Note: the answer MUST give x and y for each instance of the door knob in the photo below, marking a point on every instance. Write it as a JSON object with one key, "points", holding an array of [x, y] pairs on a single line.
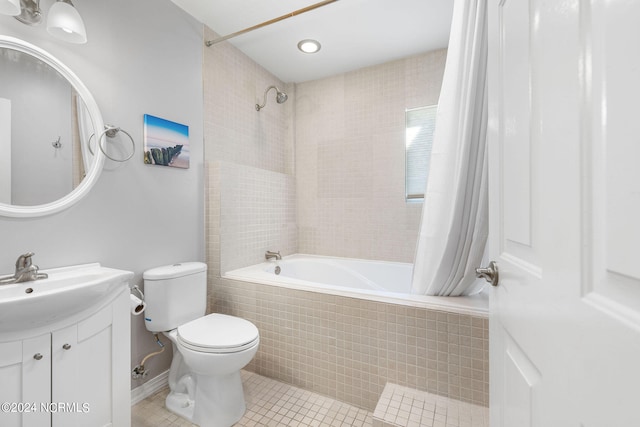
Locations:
{"points": [[490, 273]]}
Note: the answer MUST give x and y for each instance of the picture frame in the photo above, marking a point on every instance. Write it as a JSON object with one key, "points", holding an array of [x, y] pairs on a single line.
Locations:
{"points": [[166, 143]]}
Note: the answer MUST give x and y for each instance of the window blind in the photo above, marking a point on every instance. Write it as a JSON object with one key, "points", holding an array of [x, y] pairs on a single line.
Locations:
{"points": [[420, 126]]}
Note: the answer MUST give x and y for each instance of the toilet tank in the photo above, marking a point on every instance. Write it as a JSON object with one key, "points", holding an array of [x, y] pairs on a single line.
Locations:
{"points": [[174, 294]]}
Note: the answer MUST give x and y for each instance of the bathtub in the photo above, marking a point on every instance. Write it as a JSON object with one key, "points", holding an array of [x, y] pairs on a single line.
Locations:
{"points": [[382, 281]]}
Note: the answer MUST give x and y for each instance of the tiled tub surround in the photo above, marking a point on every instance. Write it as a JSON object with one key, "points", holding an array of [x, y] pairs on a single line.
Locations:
{"points": [[293, 169], [339, 142], [348, 348], [350, 158], [258, 213]]}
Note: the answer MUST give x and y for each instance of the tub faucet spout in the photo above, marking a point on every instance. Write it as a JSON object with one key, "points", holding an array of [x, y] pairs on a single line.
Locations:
{"points": [[271, 255]]}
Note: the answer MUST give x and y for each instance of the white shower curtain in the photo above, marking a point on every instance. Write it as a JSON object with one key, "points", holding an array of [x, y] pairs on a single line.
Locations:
{"points": [[454, 227], [85, 129], [5, 149]]}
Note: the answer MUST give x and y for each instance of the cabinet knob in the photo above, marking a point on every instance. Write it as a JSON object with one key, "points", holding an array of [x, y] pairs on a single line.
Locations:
{"points": [[37, 356], [66, 346]]}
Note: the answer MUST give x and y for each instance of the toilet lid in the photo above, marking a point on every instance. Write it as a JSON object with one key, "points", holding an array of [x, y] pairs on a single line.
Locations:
{"points": [[218, 333]]}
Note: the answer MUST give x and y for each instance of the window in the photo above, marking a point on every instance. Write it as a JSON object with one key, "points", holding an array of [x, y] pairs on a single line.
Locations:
{"points": [[420, 126]]}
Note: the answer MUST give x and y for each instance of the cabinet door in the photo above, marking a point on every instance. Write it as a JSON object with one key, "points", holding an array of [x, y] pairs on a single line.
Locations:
{"points": [[82, 372], [25, 375], [91, 369]]}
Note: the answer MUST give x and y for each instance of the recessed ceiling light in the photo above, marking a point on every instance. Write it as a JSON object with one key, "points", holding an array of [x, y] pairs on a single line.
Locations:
{"points": [[309, 46]]}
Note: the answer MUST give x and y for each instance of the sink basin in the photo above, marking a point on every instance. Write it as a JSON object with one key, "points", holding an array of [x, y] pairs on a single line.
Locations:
{"points": [[67, 291]]}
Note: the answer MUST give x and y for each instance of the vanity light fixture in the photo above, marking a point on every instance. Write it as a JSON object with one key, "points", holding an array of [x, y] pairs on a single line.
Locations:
{"points": [[64, 21], [10, 7], [309, 46]]}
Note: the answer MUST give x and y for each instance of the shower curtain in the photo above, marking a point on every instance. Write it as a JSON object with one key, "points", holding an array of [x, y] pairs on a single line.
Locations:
{"points": [[85, 129], [454, 226], [5, 147]]}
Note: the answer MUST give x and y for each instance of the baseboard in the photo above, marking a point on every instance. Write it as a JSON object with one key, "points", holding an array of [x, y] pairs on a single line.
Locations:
{"points": [[145, 390]]}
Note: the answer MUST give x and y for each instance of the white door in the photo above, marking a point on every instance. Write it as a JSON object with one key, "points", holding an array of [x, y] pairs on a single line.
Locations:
{"points": [[564, 141]]}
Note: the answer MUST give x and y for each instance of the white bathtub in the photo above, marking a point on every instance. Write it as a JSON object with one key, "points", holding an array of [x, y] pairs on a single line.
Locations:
{"points": [[382, 281]]}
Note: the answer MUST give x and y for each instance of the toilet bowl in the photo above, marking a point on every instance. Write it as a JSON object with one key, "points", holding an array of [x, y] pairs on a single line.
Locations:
{"points": [[208, 351]]}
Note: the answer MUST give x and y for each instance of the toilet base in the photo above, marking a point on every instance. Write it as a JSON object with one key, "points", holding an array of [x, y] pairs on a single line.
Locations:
{"points": [[180, 404], [220, 400]]}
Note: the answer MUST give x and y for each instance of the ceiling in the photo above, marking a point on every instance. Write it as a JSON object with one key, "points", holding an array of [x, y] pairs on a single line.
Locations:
{"points": [[353, 33]]}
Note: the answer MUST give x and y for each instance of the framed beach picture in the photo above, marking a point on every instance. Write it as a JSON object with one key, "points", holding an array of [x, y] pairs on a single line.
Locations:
{"points": [[166, 143]]}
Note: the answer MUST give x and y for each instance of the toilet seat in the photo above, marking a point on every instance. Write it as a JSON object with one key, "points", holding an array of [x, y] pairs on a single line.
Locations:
{"points": [[218, 333]]}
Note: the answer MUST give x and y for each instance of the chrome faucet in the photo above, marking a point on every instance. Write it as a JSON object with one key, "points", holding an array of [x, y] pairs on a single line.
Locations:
{"points": [[271, 254], [26, 271]]}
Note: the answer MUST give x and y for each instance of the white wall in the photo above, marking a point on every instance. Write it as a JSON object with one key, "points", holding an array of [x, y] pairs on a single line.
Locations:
{"points": [[143, 56]]}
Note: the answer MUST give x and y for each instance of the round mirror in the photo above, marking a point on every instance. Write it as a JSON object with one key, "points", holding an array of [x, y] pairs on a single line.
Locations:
{"points": [[48, 118]]}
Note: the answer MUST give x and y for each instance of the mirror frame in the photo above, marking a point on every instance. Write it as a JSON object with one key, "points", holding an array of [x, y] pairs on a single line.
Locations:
{"points": [[92, 175]]}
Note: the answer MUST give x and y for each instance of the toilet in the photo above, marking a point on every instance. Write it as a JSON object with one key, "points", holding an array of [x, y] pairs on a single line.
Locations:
{"points": [[208, 351]]}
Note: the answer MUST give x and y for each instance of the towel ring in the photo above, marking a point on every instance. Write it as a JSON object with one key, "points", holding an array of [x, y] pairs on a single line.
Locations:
{"points": [[111, 132]]}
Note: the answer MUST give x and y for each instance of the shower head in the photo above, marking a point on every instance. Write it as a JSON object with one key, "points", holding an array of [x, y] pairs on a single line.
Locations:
{"points": [[281, 97]]}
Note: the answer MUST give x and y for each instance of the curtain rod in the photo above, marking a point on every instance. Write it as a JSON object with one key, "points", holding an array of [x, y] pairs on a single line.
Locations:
{"points": [[272, 21]]}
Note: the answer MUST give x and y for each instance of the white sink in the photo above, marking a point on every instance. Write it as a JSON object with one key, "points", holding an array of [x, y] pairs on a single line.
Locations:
{"points": [[67, 291]]}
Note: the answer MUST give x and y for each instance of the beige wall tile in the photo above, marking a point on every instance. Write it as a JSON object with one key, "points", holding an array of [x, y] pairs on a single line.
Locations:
{"points": [[349, 140], [340, 347]]}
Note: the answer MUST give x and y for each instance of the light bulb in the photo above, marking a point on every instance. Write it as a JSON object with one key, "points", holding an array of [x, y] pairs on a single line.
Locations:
{"points": [[309, 46]]}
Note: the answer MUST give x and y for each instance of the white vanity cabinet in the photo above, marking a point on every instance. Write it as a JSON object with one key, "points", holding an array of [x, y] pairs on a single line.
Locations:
{"points": [[74, 375], [25, 373]]}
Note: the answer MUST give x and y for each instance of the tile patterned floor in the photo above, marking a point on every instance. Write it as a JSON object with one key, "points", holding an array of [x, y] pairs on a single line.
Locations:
{"points": [[406, 407], [269, 403]]}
